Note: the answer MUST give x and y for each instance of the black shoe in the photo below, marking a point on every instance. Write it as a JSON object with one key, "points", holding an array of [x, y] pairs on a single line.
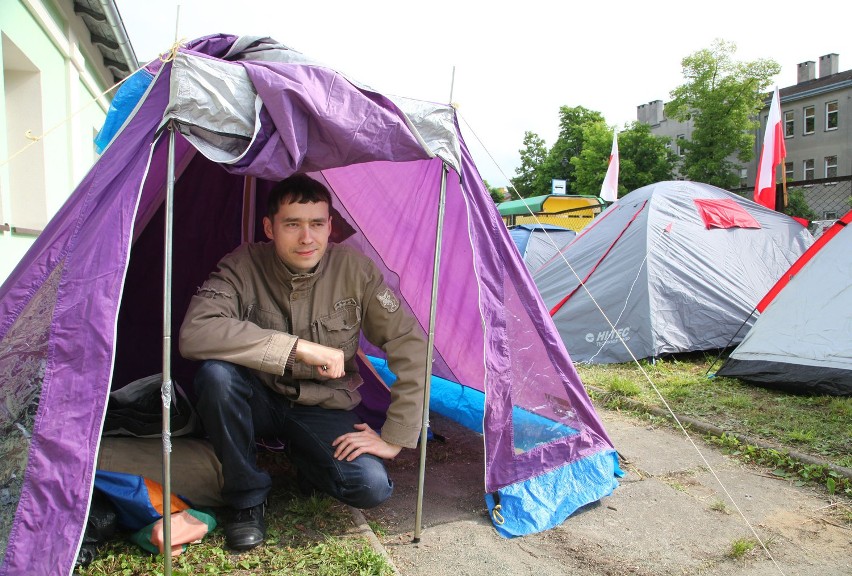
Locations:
{"points": [[246, 529]]}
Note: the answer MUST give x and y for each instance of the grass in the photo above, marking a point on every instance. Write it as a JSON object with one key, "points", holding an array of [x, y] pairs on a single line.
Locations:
{"points": [[377, 528], [741, 547], [820, 426], [304, 536]]}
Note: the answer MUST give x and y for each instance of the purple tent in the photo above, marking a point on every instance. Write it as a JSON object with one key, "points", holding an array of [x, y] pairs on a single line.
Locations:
{"points": [[83, 312]]}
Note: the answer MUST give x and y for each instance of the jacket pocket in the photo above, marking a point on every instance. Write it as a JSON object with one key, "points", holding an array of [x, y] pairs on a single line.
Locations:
{"points": [[341, 328]]}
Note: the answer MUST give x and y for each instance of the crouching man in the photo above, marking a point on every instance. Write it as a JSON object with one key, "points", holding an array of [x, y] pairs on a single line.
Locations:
{"points": [[277, 325]]}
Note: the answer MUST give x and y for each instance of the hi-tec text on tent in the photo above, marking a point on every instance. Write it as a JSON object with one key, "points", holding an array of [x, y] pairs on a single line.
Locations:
{"points": [[609, 336]]}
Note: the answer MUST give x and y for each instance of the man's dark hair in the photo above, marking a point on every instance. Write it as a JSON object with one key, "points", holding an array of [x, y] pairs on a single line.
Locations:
{"points": [[297, 189]]}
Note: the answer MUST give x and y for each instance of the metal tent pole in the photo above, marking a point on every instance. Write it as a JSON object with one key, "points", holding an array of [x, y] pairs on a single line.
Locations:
{"points": [[166, 389], [424, 431]]}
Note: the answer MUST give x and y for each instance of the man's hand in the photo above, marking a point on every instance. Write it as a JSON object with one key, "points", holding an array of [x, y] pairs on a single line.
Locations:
{"points": [[329, 361], [364, 441]]}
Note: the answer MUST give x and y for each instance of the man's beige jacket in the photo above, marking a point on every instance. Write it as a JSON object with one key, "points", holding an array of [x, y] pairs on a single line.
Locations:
{"points": [[252, 310]]}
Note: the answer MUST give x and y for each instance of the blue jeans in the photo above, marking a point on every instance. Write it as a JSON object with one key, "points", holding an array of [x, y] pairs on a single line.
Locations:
{"points": [[236, 407]]}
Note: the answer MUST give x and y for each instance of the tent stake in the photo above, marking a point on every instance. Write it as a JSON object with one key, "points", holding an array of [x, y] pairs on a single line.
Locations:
{"points": [[424, 431], [166, 389]]}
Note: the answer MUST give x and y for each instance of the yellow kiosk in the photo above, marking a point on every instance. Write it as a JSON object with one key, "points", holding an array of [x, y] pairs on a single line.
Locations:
{"points": [[568, 211]]}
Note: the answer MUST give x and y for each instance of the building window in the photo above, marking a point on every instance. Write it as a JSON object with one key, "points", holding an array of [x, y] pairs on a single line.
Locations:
{"points": [[743, 177], [789, 124], [22, 90], [810, 120], [808, 169], [788, 171], [831, 115], [680, 138], [831, 166]]}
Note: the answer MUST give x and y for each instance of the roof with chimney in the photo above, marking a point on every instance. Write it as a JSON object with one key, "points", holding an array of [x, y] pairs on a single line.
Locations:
{"points": [[815, 85], [809, 85]]}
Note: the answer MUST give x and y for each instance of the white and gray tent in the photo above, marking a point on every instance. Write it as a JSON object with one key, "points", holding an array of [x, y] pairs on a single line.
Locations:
{"points": [[800, 341], [538, 243], [675, 266]]}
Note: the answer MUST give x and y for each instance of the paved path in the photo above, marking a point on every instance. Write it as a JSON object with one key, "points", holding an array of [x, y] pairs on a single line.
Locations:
{"points": [[669, 516]]}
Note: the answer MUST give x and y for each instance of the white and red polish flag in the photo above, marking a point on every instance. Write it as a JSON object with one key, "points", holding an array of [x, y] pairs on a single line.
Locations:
{"points": [[771, 155], [609, 189]]}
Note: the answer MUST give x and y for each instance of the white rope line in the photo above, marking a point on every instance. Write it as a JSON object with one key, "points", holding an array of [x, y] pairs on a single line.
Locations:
{"points": [[644, 373], [500, 169], [627, 298], [165, 57], [36, 139]]}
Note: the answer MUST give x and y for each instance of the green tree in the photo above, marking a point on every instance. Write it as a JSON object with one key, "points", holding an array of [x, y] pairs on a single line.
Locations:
{"points": [[590, 165], [798, 206], [722, 98], [568, 145], [496, 193], [540, 166], [643, 158], [526, 180]]}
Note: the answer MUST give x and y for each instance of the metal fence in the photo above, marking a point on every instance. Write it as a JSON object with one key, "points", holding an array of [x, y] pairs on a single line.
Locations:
{"points": [[827, 199]]}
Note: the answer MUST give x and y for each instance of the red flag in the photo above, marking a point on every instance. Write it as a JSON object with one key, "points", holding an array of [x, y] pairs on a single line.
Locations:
{"points": [[609, 189], [773, 153]]}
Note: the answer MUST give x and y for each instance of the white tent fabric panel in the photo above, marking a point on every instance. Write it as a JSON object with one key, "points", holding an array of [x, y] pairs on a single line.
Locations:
{"points": [[810, 321]]}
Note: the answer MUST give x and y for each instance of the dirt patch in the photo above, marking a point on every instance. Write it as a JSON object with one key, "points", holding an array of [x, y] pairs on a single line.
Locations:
{"points": [[816, 526]]}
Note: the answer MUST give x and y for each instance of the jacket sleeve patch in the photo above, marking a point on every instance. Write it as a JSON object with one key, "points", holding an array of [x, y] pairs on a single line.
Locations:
{"points": [[215, 289], [388, 300]]}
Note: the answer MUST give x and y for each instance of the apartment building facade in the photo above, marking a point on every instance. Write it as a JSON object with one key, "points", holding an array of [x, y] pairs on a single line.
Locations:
{"points": [[817, 118], [59, 58]]}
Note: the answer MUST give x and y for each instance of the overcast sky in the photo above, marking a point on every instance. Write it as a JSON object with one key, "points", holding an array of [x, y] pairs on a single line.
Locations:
{"points": [[516, 62]]}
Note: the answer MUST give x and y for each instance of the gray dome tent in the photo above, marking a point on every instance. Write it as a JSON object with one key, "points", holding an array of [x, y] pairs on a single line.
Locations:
{"points": [[676, 266], [538, 243]]}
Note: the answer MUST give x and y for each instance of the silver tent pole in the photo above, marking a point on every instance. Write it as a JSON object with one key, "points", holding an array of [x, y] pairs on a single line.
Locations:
{"points": [[166, 389], [424, 431]]}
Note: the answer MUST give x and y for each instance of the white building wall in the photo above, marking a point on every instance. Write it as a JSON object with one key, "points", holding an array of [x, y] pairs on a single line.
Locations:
{"points": [[51, 105]]}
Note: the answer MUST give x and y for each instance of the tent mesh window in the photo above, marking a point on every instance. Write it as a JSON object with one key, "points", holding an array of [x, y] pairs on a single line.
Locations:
{"points": [[23, 359]]}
